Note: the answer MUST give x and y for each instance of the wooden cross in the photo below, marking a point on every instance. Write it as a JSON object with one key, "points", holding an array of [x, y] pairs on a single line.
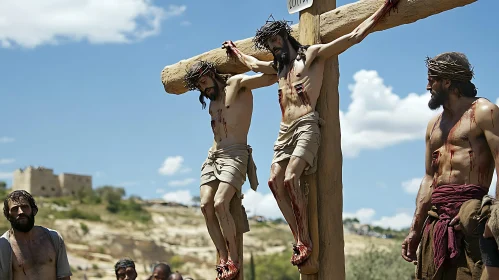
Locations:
{"points": [[319, 24]]}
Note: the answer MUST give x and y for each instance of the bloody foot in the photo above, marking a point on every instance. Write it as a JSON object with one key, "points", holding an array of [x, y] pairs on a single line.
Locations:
{"points": [[231, 270], [220, 268], [300, 254]]}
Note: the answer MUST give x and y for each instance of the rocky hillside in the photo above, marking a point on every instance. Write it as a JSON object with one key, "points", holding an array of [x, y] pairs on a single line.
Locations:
{"points": [[96, 238]]}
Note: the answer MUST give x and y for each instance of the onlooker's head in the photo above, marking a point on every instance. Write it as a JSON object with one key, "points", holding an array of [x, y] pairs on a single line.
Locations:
{"points": [[161, 271], [175, 276], [125, 269], [20, 209]]}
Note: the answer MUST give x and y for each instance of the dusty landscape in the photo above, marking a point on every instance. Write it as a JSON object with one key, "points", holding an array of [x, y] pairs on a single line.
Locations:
{"points": [[176, 235]]}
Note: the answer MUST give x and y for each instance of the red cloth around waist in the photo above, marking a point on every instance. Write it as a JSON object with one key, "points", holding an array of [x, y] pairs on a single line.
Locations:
{"points": [[448, 200]]}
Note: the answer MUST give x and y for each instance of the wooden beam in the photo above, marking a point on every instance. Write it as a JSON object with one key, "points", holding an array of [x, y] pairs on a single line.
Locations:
{"points": [[334, 23]]}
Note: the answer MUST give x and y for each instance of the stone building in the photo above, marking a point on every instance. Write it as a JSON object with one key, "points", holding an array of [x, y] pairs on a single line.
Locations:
{"points": [[41, 181]]}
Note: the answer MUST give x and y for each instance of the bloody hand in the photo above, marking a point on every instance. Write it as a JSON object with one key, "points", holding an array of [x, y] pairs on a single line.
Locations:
{"points": [[230, 47], [409, 247]]}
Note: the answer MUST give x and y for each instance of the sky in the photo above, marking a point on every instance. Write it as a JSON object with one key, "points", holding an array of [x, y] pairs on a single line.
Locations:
{"points": [[80, 92]]}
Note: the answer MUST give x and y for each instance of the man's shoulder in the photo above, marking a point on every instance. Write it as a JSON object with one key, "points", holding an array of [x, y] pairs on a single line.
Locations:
{"points": [[483, 104], [54, 234]]}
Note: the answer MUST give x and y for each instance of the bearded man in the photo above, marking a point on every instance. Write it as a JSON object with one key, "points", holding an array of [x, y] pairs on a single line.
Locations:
{"points": [[462, 149], [28, 251], [230, 157], [300, 71]]}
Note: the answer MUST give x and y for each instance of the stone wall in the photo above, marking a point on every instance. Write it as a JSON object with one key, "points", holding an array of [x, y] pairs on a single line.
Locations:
{"points": [[72, 183], [40, 181]]}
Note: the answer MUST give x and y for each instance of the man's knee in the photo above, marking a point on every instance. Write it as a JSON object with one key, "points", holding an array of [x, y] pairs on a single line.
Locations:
{"points": [[207, 208], [221, 205], [290, 180]]}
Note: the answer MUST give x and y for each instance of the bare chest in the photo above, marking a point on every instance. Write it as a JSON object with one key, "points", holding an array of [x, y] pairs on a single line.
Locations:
{"points": [[463, 131], [32, 256], [300, 84]]}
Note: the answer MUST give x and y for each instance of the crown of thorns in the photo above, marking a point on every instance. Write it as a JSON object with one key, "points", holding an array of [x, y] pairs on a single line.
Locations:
{"points": [[449, 70], [269, 29], [193, 74]]}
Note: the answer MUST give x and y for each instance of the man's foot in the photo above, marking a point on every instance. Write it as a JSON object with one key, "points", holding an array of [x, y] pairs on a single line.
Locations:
{"points": [[300, 254], [231, 270], [220, 268]]}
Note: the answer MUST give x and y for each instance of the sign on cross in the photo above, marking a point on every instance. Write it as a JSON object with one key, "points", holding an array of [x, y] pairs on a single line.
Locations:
{"points": [[320, 23], [298, 5]]}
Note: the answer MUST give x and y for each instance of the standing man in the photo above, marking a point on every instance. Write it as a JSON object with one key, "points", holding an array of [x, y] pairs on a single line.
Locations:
{"points": [[230, 157], [300, 72], [462, 150], [28, 251]]}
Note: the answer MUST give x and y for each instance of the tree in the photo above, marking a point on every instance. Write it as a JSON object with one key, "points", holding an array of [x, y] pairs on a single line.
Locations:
{"points": [[3, 186]]}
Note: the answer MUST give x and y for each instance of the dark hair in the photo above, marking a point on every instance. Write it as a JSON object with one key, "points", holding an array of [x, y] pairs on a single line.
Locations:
{"points": [[455, 67], [163, 266], [16, 196], [196, 71], [281, 28], [123, 263]]}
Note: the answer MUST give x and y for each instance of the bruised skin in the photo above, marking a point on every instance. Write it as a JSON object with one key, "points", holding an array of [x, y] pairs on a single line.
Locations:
{"points": [[461, 154]]}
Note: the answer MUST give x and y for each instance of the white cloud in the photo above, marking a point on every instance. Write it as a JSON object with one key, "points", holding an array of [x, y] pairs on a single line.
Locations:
{"points": [[7, 160], [160, 190], [492, 190], [397, 222], [181, 183], [173, 165], [378, 118], [411, 186], [183, 197], [497, 102], [260, 204], [5, 139], [6, 175], [32, 23], [364, 215]]}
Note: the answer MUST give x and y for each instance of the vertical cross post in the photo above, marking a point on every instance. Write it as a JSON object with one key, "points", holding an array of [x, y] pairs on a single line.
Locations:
{"points": [[325, 186]]}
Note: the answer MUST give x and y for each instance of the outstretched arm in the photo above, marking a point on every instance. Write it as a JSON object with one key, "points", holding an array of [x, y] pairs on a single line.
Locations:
{"points": [[487, 118], [252, 63], [357, 35], [238, 82]]}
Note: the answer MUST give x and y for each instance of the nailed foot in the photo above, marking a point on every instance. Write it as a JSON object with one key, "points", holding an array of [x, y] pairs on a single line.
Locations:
{"points": [[231, 270], [220, 268], [300, 254]]}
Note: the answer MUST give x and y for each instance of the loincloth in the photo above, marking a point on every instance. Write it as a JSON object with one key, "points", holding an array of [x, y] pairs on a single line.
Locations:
{"points": [[489, 245], [230, 165], [301, 139], [445, 253]]}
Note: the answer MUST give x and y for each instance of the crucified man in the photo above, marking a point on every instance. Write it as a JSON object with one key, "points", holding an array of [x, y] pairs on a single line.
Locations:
{"points": [[230, 157], [300, 72]]}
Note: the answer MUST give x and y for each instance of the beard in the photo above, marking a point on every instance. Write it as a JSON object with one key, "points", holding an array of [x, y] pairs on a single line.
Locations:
{"points": [[214, 93], [22, 225], [283, 57], [438, 98]]}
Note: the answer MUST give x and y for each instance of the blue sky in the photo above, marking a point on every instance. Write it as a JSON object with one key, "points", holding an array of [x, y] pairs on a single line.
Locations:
{"points": [[80, 92]]}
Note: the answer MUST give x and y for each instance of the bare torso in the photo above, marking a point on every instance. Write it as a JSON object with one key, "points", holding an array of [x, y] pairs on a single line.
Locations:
{"points": [[460, 152], [231, 116], [35, 258], [299, 88]]}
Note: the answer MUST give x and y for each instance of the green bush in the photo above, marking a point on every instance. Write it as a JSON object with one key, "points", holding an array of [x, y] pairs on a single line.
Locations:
{"points": [[74, 213], [271, 267], [376, 263]]}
